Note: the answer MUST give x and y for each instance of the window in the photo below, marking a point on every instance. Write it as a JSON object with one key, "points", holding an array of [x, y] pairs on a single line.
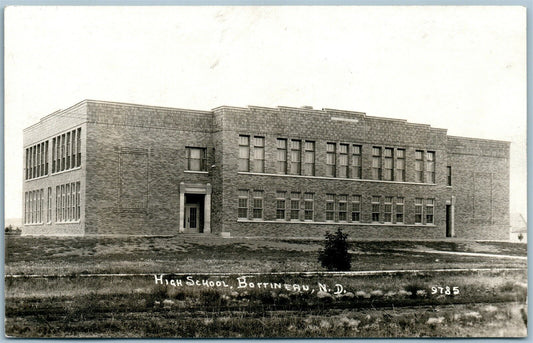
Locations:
{"points": [[308, 206], [399, 210], [331, 159], [419, 166], [376, 163], [400, 165], [259, 155], [63, 214], [36, 161], [356, 208], [73, 201], [257, 205], [78, 201], [356, 162], [78, 147], [244, 153], [73, 150], [68, 212], [309, 158], [376, 200], [62, 152], [449, 175], [58, 154], [330, 207], [46, 158], [281, 144], [296, 157], [418, 210], [343, 161], [388, 154], [342, 207], [243, 204], [280, 205], [295, 205], [387, 210], [429, 211], [49, 206], [53, 155], [196, 159], [67, 148], [430, 167], [58, 201]]}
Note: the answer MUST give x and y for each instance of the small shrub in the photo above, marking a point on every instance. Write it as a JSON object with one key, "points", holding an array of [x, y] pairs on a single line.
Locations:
{"points": [[335, 255]]}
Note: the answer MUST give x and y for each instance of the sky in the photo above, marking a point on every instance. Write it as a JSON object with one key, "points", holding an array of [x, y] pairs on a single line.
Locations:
{"points": [[459, 68]]}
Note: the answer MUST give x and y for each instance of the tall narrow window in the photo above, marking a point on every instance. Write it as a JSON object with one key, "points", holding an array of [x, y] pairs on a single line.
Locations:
{"points": [[295, 205], [259, 155], [34, 162], [243, 204], [356, 208], [449, 175], [78, 201], [63, 152], [26, 164], [257, 205], [78, 147], [356, 162], [309, 158], [63, 214], [58, 154], [430, 167], [67, 203], [308, 206], [330, 207], [73, 201], [244, 153], [342, 207], [280, 205], [58, 203], [46, 158], [387, 210], [419, 166], [399, 210], [53, 155], [296, 157], [331, 159], [418, 210], [376, 211], [429, 211], [400, 165], [376, 163], [30, 207], [49, 206], [38, 160], [67, 151], [73, 151], [388, 167], [343, 161], [196, 159], [281, 144]]}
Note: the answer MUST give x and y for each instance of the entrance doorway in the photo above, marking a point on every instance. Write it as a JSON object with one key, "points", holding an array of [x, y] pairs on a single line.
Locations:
{"points": [[193, 219]]}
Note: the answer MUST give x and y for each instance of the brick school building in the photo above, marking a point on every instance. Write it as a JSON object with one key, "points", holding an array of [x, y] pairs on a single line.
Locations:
{"points": [[106, 168]]}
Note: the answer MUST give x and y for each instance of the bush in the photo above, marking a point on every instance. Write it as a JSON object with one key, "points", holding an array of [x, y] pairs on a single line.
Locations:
{"points": [[10, 230], [335, 255]]}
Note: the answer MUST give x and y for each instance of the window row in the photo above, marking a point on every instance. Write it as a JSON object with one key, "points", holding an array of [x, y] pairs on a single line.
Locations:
{"points": [[68, 202], [66, 154], [297, 157], [338, 208], [34, 207], [36, 161], [66, 151]]}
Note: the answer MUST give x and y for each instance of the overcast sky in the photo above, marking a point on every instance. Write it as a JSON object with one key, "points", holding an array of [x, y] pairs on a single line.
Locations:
{"points": [[460, 68]]}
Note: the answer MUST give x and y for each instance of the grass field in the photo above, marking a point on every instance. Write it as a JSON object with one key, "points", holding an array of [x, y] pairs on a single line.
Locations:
{"points": [[274, 303]]}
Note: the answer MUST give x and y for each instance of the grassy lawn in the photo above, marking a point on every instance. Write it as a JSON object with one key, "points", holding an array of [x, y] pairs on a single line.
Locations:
{"points": [[487, 303], [45, 255]]}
